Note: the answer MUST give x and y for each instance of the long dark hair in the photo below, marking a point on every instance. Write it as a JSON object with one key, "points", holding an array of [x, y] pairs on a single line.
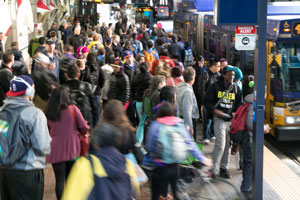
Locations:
{"points": [[58, 101], [166, 109], [167, 94]]}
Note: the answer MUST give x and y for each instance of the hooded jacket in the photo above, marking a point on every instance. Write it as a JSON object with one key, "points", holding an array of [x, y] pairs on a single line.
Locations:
{"points": [[33, 125], [140, 83], [216, 91], [186, 103], [119, 87], [153, 133], [111, 177]]}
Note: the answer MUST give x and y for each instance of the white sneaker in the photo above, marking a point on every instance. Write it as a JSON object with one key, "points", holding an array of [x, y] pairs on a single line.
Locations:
{"points": [[206, 141], [213, 139]]}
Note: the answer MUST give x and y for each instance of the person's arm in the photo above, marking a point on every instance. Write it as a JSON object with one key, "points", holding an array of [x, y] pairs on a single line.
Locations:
{"points": [[125, 85], [238, 98], [81, 122], [202, 82], [210, 98], [187, 108], [39, 138]]}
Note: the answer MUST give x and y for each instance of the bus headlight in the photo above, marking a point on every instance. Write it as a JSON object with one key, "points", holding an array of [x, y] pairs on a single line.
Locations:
{"points": [[290, 120]]}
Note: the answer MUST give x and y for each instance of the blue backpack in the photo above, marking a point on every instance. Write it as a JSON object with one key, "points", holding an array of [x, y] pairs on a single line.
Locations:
{"points": [[170, 146], [13, 142]]}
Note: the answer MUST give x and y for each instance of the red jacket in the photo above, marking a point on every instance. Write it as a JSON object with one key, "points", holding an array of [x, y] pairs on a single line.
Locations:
{"points": [[164, 59]]}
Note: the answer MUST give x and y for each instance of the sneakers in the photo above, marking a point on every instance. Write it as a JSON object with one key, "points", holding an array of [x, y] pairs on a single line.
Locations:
{"points": [[206, 141], [224, 173], [213, 139]]}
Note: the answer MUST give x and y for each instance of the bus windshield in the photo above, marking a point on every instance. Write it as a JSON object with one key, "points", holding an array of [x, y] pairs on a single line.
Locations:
{"points": [[290, 70]]}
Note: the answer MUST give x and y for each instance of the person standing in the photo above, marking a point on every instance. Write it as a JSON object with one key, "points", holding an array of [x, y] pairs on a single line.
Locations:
{"points": [[77, 39], [222, 98], [6, 74], [50, 53], [64, 121], [23, 176], [186, 101]]}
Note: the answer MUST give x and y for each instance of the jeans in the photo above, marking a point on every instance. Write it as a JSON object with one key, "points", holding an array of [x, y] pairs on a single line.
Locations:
{"points": [[246, 145], [222, 145], [142, 118], [207, 125]]}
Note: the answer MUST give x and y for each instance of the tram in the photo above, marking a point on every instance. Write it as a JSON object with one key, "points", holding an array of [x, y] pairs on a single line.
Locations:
{"points": [[282, 107]]}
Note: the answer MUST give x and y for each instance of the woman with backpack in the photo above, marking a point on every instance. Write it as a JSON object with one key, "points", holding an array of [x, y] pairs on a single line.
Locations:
{"points": [[64, 121], [160, 148]]}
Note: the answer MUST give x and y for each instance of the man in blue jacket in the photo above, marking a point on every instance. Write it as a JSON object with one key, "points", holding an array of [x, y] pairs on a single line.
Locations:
{"points": [[22, 174]]}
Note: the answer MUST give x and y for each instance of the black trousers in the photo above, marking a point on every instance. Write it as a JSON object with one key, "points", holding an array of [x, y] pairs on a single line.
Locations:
{"points": [[21, 184], [61, 172], [161, 178]]}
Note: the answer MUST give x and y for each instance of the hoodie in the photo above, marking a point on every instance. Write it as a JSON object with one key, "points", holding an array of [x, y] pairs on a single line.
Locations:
{"points": [[33, 127], [186, 103], [153, 133], [108, 175]]}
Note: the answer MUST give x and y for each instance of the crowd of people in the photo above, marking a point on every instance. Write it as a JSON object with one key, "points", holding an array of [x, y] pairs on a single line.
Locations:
{"points": [[129, 87]]}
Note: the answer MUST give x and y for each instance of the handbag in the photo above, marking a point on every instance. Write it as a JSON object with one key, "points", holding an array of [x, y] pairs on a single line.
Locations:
{"points": [[84, 138], [141, 176]]}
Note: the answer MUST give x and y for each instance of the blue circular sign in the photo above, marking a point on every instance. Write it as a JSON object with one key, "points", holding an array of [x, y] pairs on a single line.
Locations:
{"points": [[146, 13]]}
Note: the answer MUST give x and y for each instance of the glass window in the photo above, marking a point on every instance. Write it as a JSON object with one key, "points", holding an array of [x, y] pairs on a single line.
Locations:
{"points": [[212, 46]]}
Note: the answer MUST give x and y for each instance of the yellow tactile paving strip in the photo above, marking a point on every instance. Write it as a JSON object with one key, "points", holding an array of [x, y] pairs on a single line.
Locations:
{"points": [[280, 177]]}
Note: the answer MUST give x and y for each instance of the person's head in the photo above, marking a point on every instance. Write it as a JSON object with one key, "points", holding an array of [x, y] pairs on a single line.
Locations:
{"points": [[228, 74], [110, 25], [14, 45], [90, 35], [21, 86], [176, 72], [73, 72], [166, 109], [42, 41], [117, 65], [42, 60], [110, 58], [77, 23], [140, 58], [115, 114], [77, 30], [159, 41], [120, 19], [101, 51], [115, 39], [189, 75], [248, 85], [133, 36], [150, 44], [68, 48], [40, 31], [103, 24], [95, 37], [104, 135], [128, 55], [1, 36], [144, 67], [59, 100], [174, 38], [157, 82], [187, 45], [91, 58], [179, 38], [168, 94], [8, 58], [214, 65], [108, 41], [164, 52], [50, 46], [80, 64], [54, 25], [224, 63], [65, 25], [200, 61], [82, 52], [53, 34]]}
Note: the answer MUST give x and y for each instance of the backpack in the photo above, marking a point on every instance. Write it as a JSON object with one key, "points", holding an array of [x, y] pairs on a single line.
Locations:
{"points": [[82, 101], [149, 57], [170, 146], [238, 123], [13, 143], [163, 68], [188, 58]]}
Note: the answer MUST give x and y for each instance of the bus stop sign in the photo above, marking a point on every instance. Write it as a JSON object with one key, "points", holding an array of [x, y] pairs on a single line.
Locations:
{"points": [[245, 37]]}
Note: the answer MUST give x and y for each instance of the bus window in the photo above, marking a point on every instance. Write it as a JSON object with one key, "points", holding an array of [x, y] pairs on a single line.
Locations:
{"points": [[212, 46]]}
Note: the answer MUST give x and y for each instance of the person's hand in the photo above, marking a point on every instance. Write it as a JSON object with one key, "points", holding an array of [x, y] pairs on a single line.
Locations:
{"points": [[52, 66], [207, 162], [217, 112], [266, 128]]}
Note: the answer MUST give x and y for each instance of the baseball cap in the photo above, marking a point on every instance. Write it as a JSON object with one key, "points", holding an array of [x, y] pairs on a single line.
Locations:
{"points": [[108, 40], [117, 63], [127, 53], [49, 41], [18, 85]]}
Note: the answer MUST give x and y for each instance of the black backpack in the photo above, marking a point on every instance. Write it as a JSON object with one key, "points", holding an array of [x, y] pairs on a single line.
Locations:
{"points": [[79, 98]]}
